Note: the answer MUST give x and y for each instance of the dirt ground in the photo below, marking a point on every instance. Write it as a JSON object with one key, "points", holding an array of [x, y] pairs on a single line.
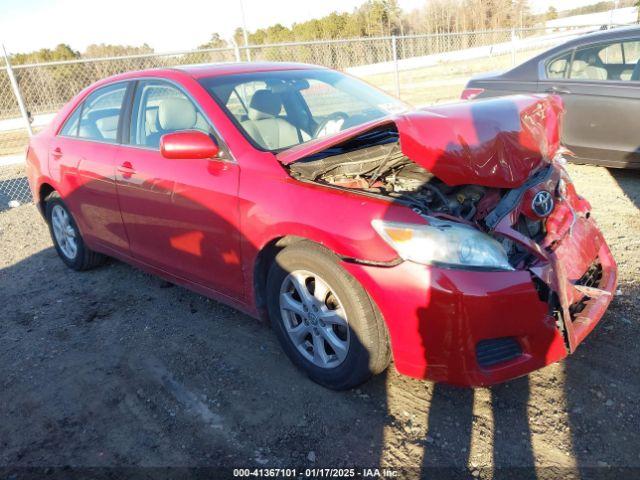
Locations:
{"points": [[114, 367]]}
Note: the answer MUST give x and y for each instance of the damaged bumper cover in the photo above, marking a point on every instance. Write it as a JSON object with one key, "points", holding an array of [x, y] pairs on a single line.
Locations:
{"points": [[479, 328]]}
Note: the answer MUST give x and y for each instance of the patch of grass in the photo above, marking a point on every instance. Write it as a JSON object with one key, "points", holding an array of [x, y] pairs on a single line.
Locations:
{"points": [[443, 82], [13, 142]]}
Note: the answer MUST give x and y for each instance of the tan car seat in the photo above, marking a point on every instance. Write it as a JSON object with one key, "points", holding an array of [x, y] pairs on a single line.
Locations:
{"points": [[264, 125], [583, 71]]}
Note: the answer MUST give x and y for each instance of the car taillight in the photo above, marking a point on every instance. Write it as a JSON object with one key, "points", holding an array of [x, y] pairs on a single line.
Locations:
{"points": [[471, 93]]}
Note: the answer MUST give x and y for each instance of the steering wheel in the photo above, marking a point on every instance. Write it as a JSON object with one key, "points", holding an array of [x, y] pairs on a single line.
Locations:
{"points": [[330, 125]]}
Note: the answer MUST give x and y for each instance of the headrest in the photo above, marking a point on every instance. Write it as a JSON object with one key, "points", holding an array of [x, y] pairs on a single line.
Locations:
{"points": [[596, 73], [264, 104], [152, 119], [176, 114], [558, 66], [578, 65], [582, 70], [107, 124]]}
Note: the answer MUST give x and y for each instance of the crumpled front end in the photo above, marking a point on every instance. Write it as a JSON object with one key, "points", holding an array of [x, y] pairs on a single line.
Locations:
{"points": [[478, 328], [569, 259], [494, 167]]}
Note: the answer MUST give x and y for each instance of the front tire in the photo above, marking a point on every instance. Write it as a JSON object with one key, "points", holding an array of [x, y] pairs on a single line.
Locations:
{"points": [[67, 238], [325, 321]]}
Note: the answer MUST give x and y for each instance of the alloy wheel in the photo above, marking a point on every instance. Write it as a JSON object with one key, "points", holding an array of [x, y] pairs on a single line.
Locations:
{"points": [[64, 232], [314, 319]]}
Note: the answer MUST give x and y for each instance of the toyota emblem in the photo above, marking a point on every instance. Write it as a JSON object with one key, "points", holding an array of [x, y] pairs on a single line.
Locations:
{"points": [[542, 203]]}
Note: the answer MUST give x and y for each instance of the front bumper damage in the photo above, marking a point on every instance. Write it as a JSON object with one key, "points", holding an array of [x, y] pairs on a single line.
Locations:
{"points": [[575, 271], [582, 277], [479, 328]]}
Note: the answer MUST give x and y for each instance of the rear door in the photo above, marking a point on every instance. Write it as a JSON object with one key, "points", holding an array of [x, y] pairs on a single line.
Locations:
{"points": [[601, 92], [82, 160], [180, 215]]}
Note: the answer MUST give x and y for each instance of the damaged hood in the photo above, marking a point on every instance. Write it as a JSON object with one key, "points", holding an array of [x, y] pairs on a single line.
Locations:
{"points": [[494, 143]]}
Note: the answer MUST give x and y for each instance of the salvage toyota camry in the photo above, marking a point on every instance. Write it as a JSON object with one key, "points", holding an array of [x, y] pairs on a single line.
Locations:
{"points": [[450, 238]]}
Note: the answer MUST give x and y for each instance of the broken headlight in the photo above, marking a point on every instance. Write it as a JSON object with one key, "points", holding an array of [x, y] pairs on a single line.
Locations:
{"points": [[443, 243]]}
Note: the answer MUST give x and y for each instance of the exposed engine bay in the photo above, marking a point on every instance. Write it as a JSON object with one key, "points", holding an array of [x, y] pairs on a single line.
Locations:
{"points": [[373, 163], [383, 169]]}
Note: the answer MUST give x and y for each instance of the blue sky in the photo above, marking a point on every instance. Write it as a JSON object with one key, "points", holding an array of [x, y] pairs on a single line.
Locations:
{"points": [[166, 25]]}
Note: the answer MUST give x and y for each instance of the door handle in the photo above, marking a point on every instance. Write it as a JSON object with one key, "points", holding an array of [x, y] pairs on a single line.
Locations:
{"points": [[56, 153], [126, 170], [558, 90]]}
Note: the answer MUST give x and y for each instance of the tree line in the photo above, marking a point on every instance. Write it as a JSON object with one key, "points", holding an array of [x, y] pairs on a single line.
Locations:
{"points": [[64, 52], [374, 18]]}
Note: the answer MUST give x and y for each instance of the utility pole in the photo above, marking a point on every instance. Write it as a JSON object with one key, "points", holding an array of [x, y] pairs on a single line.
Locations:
{"points": [[615, 7], [16, 91], [244, 31]]}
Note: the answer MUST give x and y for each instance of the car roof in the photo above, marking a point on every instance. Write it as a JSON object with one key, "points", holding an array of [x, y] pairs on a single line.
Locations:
{"points": [[602, 35], [231, 68], [528, 69], [210, 70]]}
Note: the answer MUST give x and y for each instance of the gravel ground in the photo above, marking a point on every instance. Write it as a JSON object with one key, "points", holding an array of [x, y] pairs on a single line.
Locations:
{"points": [[114, 367]]}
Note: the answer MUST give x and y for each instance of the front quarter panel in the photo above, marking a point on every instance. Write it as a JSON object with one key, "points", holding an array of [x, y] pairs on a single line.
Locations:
{"points": [[274, 205]]}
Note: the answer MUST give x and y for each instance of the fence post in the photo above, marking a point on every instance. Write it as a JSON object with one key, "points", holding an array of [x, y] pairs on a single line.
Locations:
{"points": [[513, 47], [236, 50], [16, 92], [394, 52]]}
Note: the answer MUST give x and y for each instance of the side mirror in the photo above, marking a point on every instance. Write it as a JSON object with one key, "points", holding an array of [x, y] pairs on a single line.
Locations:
{"points": [[188, 144]]}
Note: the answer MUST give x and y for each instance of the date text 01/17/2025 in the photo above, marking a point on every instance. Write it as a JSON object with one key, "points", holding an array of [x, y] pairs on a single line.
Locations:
{"points": [[315, 473]]}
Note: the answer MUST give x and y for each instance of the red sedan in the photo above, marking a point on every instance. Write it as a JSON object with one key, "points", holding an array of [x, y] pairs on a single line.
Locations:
{"points": [[450, 238]]}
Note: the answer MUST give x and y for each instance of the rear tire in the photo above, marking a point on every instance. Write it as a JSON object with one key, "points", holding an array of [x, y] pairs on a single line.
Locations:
{"points": [[314, 331], [67, 238]]}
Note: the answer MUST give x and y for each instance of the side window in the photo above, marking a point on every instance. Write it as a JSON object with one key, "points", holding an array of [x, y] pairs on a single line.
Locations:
{"points": [[160, 108], [101, 113], [557, 67], [588, 63], [70, 128], [612, 54], [612, 61], [631, 52]]}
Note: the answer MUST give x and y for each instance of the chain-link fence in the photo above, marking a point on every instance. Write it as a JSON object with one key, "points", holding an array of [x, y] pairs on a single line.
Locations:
{"points": [[420, 69], [14, 189]]}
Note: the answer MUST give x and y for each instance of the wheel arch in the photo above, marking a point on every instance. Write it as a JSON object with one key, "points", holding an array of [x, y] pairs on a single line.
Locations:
{"points": [[264, 259], [44, 191]]}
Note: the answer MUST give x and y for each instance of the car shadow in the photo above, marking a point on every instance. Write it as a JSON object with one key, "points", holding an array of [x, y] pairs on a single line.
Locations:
{"points": [[455, 428], [121, 373], [599, 378], [628, 181]]}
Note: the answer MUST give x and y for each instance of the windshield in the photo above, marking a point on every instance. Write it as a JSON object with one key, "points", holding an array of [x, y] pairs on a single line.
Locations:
{"points": [[279, 109]]}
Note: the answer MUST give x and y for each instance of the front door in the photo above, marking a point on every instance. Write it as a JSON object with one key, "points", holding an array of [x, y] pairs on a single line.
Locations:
{"points": [[180, 215]]}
